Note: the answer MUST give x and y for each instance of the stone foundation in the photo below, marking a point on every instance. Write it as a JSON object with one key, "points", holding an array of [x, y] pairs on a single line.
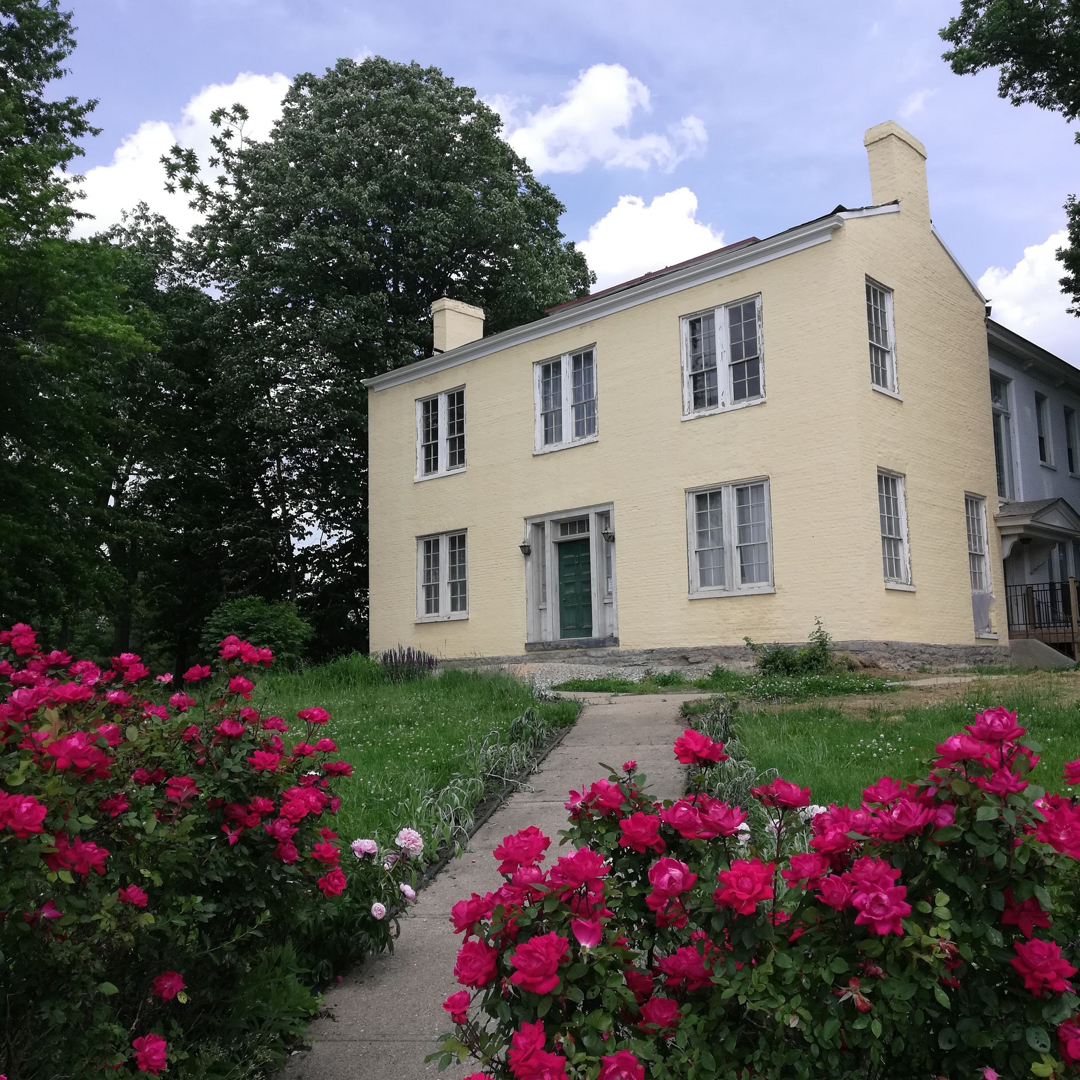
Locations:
{"points": [[699, 660]]}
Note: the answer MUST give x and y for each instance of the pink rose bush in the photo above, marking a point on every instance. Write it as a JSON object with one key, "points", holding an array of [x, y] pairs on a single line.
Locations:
{"points": [[157, 848], [929, 931]]}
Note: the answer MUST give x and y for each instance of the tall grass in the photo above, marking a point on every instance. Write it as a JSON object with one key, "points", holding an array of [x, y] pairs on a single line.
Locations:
{"points": [[424, 753], [837, 755]]}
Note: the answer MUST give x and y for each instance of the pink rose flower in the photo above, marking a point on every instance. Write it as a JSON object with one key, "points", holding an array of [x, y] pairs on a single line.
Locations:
{"points": [[782, 794], [693, 748], [333, 883], [150, 1054], [536, 963], [523, 848], [641, 831], [475, 964], [1069, 1040], [747, 882], [996, 725], [133, 895], [661, 1014], [168, 984], [457, 1005], [1042, 967], [622, 1065]]}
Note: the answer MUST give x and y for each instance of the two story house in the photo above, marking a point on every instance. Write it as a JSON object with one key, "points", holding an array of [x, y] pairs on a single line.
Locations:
{"points": [[783, 429], [1035, 400]]}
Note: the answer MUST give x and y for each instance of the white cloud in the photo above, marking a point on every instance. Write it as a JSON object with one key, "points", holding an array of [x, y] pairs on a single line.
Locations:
{"points": [[633, 239], [590, 123], [1028, 299], [915, 103], [136, 173]]}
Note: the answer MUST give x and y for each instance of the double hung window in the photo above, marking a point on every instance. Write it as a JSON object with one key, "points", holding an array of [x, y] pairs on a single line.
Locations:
{"points": [[729, 539], [440, 434], [1070, 440], [722, 358], [565, 389], [879, 326], [892, 512], [978, 569], [442, 577], [1042, 429], [999, 400]]}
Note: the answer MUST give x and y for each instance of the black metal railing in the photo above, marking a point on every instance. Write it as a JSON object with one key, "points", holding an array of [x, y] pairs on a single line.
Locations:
{"points": [[1047, 611]]}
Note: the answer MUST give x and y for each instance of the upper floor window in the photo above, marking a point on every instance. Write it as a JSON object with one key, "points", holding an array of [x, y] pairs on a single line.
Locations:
{"points": [[442, 577], [440, 433], [729, 534], [892, 512], [999, 400], [1070, 440], [565, 390], [1042, 428], [879, 326], [722, 358]]}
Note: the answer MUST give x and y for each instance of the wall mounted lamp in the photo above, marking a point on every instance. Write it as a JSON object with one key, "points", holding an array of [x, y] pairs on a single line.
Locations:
{"points": [[526, 547], [608, 535]]}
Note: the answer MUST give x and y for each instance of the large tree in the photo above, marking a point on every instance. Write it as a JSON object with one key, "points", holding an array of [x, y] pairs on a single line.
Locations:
{"points": [[1036, 46], [383, 187], [66, 329]]}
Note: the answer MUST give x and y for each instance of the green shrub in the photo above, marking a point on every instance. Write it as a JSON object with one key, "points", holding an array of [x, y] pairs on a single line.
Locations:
{"points": [[276, 626], [812, 659], [169, 867]]}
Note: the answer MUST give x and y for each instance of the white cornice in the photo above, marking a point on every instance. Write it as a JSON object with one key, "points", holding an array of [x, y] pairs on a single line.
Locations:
{"points": [[870, 211], [699, 272]]}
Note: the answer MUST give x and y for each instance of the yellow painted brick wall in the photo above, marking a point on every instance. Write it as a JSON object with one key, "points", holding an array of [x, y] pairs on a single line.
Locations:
{"points": [[820, 437]]}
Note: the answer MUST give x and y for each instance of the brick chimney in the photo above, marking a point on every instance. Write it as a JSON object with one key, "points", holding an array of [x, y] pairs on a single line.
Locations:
{"points": [[455, 323], [898, 169]]}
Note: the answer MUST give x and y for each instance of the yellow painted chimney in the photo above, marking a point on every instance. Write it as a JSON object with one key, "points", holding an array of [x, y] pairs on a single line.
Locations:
{"points": [[455, 323], [898, 169]]}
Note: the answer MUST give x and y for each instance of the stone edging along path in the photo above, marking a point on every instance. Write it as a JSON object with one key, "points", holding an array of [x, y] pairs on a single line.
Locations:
{"points": [[386, 1016]]}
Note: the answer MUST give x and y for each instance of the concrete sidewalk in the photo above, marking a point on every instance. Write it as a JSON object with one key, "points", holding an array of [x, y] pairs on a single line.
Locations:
{"points": [[386, 1016]]}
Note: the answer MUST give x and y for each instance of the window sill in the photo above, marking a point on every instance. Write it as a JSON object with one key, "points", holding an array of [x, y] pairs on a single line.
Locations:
{"points": [[455, 616], [888, 393], [725, 408], [1048, 465], [537, 451], [986, 635], [437, 475], [899, 586], [715, 594]]}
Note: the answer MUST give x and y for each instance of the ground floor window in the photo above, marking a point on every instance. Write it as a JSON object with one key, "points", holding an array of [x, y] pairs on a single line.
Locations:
{"points": [[892, 513], [442, 577], [729, 539], [570, 576]]}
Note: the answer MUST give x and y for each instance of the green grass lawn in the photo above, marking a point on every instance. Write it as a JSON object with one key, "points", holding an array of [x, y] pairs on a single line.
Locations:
{"points": [[751, 685], [410, 744], [837, 755]]}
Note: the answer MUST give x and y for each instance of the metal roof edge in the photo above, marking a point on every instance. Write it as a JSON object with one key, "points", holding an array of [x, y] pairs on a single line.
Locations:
{"points": [[724, 263], [1020, 348]]}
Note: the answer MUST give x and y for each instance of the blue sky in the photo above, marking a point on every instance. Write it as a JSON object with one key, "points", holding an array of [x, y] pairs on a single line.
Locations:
{"points": [[665, 128]]}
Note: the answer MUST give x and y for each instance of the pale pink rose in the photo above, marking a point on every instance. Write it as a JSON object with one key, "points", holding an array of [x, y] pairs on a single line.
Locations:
{"points": [[360, 848], [411, 842], [378, 911], [407, 891]]}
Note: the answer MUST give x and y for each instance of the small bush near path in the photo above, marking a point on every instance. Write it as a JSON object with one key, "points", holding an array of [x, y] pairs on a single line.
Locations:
{"points": [[837, 753], [929, 929], [750, 685]]}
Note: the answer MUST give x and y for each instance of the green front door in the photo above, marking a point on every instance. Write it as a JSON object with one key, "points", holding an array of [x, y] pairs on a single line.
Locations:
{"points": [[575, 589]]}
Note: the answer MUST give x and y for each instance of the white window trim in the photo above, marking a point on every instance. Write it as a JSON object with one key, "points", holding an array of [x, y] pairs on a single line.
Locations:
{"points": [[543, 620], [698, 592], [1013, 477], [723, 360], [893, 389], [567, 381], [445, 614], [898, 586], [444, 453]]}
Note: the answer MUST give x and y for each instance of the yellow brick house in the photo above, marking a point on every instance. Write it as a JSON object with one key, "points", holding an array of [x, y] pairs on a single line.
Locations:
{"points": [[784, 429]]}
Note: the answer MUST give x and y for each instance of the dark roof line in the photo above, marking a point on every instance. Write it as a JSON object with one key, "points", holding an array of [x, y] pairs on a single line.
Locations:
{"points": [[840, 209]]}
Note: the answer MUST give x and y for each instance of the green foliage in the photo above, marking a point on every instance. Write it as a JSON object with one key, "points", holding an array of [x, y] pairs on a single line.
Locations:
{"points": [[1036, 46], [887, 952], [812, 659], [274, 626]]}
